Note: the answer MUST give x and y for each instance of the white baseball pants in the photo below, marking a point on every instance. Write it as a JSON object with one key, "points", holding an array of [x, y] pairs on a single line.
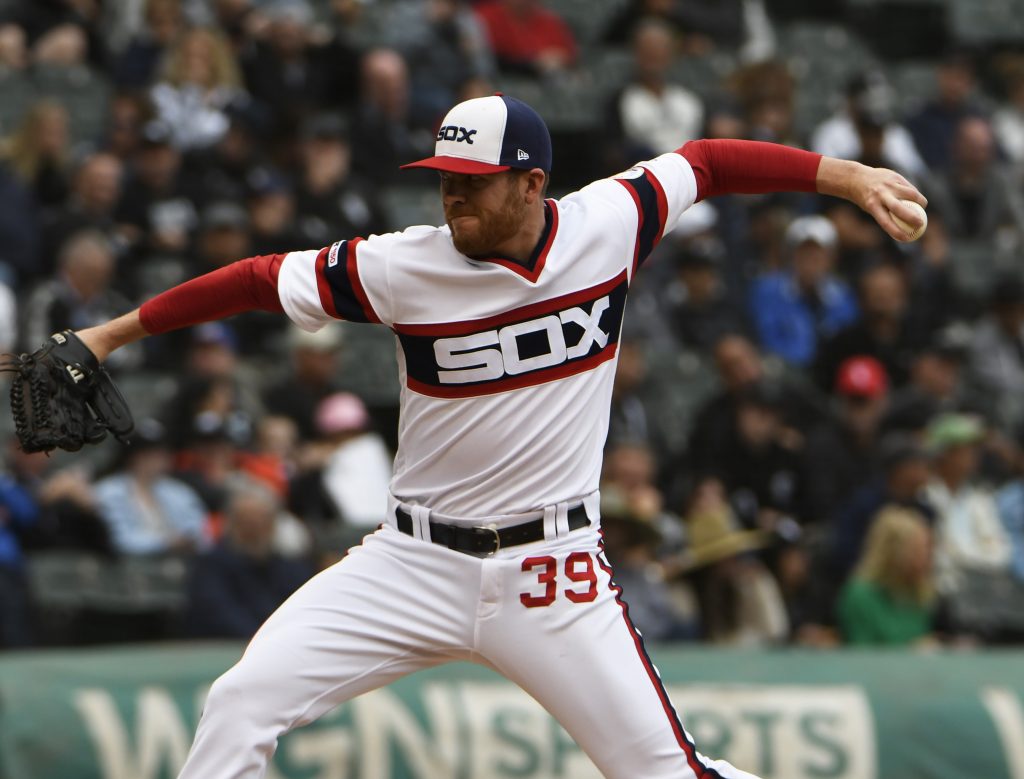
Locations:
{"points": [[545, 615]]}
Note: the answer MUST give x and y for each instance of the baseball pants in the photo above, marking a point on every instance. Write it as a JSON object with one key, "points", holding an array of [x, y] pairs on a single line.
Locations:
{"points": [[545, 615]]}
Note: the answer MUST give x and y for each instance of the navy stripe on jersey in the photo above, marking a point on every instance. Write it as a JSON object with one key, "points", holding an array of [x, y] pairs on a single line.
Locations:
{"points": [[652, 211], [692, 757], [532, 345], [337, 277]]}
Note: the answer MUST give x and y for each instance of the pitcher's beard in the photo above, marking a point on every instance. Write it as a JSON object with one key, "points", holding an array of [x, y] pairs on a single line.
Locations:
{"points": [[492, 229]]}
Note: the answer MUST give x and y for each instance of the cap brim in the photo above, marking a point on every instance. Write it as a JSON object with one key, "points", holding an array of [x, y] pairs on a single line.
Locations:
{"points": [[457, 165]]}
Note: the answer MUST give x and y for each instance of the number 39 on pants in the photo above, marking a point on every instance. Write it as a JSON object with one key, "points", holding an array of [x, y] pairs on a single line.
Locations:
{"points": [[577, 580]]}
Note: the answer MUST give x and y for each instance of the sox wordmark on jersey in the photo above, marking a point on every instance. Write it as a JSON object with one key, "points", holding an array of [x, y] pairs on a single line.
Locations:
{"points": [[490, 551]]}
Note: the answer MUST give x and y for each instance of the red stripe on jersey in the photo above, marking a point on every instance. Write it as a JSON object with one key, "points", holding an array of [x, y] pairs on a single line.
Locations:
{"points": [[688, 747], [639, 224], [465, 327], [357, 285], [514, 382], [322, 287]]}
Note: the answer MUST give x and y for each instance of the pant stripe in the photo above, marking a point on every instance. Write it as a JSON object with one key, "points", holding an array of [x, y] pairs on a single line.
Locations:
{"points": [[688, 747]]}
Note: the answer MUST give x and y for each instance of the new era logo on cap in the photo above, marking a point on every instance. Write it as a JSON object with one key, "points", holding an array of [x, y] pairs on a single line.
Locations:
{"points": [[489, 135]]}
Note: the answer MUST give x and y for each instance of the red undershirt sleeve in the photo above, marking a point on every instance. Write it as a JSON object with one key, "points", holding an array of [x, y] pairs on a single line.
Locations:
{"points": [[246, 285], [725, 166]]}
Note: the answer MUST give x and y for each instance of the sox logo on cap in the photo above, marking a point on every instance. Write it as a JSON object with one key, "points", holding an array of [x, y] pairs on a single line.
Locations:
{"points": [[490, 135]]}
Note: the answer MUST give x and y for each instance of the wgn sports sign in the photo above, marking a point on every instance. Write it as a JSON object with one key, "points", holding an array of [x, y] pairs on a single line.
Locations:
{"points": [[538, 343]]}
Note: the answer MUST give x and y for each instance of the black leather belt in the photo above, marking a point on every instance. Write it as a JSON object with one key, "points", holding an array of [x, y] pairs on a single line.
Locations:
{"points": [[485, 541]]}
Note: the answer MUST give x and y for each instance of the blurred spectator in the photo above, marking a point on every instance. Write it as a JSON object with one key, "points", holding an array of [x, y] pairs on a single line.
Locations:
{"points": [[357, 468], [654, 115], [934, 126], [64, 494], [795, 308], [996, 358], [271, 206], [869, 108], [884, 331], [333, 203], [936, 381], [200, 78], [79, 296], [1008, 119], [125, 119], [148, 511], [220, 172], [630, 419], [8, 319], [224, 235], [282, 69], [217, 390], [969, 533], [155, 204], [445, 46], [38, 151], [740, 602], [241, 581], [385, 132], [890, 599], [841, 455], [692, 307], [630, 468], [312, 376], [740, 367], [13, 47], [759, 463], [767, 92], [62, 32], [704, 23], [136, 66], [527, 37], [656, 607], [19, 228], [976, 196], [96, 186], [18, 513]]}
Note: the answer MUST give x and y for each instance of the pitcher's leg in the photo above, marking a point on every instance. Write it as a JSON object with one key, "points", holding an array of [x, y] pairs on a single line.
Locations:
{"points": [[575, 651], [359, 625]]}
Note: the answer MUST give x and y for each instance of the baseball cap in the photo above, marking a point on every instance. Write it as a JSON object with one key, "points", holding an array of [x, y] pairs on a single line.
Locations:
{"points": [[490, 135], [948, 430], [341, 412], [862, 377], [818, 229]]}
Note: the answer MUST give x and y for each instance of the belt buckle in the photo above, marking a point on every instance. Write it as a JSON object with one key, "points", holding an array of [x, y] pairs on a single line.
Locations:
{"points": [[497, 539]]}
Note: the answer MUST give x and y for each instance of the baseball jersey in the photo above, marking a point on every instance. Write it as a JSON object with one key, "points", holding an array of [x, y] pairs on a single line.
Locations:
{"points": [[506, 369]]}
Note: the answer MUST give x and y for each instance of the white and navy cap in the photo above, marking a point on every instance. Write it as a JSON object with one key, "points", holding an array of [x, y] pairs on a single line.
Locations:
{"points": [[489, 135]]}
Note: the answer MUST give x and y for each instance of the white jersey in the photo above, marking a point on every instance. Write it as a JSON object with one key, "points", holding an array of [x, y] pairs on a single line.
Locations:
{"points": [[506, 370]]}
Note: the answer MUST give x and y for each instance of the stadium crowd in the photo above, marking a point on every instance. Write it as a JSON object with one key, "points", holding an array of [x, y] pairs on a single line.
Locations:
{"points": [[817, 434]]}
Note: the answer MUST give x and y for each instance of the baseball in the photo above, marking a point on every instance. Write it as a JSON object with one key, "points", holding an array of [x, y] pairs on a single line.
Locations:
{"points": [[910, 234]]}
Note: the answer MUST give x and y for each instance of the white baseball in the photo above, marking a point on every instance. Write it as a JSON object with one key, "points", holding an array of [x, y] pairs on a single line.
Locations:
{"points": [[910, 234]]}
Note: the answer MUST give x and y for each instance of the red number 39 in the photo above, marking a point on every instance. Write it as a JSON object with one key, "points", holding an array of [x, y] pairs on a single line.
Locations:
{"points": [[579, 569]]}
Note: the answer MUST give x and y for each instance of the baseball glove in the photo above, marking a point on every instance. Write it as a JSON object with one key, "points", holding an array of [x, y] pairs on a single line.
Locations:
{"points": [[61, 397]]}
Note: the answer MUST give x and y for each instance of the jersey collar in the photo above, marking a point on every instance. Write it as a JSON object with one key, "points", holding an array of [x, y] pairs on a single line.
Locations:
{"points": [[532, 268]]}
